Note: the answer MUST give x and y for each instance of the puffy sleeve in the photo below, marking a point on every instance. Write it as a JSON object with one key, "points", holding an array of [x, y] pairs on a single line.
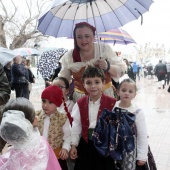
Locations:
{"points": [[65, 70], [142, 141], [67, 135], [109, 54], [76, 129]]}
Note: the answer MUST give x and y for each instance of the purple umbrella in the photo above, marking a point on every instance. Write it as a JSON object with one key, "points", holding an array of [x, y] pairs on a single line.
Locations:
{"points": [[60, 18], [116, 36]]}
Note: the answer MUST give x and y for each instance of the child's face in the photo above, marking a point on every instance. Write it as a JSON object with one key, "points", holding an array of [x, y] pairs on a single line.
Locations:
{"points": [[62, 86], [93, 86], [127, 92], [48, 107]]}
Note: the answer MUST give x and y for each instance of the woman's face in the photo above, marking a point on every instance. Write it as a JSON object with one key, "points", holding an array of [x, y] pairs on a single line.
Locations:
{"points": [[84, 38]]}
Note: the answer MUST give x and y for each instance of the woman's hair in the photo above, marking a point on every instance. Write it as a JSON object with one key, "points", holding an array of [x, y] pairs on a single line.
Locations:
{"points": [[127, 81], [81, 25], [21, 104], [92, 71], [64, 80]]}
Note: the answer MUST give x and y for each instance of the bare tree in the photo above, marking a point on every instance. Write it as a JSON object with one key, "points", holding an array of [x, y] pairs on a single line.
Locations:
{"points": [[17, 27]]}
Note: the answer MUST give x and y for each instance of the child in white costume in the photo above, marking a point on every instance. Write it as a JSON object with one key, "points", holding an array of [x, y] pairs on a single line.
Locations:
{"points": [[127, 91]]}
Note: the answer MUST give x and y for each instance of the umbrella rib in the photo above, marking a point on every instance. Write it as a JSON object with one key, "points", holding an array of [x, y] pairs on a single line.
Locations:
{"points": [[100, 14], [63, 15], [114, 12], [75, 14], [129, 10]]}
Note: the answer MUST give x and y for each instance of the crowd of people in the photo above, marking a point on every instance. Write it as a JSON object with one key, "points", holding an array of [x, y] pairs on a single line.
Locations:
{"points": [[61, 134]]}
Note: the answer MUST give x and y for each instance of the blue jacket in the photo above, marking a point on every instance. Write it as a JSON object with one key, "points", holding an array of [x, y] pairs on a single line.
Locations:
{"points": [[135, 67]]}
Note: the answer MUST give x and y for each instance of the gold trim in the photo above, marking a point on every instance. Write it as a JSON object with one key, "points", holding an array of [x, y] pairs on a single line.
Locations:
{"points": [[108, 85]]}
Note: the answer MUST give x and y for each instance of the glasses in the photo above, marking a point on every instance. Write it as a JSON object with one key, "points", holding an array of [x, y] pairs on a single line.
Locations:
{"points": [[61, 87]]}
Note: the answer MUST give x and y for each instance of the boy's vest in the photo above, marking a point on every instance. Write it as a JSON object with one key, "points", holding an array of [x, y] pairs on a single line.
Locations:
{"points": [[105, 102], [55, 133]]}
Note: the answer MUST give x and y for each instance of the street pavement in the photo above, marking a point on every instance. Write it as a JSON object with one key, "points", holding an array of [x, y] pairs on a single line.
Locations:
{"points": [[156, 106]]}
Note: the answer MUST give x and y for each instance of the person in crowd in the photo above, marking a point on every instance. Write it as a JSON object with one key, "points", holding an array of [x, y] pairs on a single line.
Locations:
{"points": [[53, 125], [27, 77], [31, 75], [7, 69], [127, 92], [168, 73], [150, 70], [135, 70], [139, 71], [63, 84], [145, 71], [26, 149], [86, 53], [5, 92], [85, 113], [129, 70], [160, 71], [19, 78]]}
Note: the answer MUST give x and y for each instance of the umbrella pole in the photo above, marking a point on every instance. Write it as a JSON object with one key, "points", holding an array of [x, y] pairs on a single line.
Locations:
{"points": [[96, 29]]}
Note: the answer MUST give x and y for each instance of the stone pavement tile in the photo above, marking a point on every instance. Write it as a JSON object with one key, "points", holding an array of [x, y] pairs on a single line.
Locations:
{"points": [[156, 106]]}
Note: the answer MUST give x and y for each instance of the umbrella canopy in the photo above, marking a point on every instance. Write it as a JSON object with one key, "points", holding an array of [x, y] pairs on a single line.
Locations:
{"points": [[26, 51], [48, 49], [116, 36], [49, 61], [60, 18], [6, 56]]}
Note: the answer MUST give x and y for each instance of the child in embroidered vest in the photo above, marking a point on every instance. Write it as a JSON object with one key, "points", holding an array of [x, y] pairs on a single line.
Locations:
{"points": [[29, 150], [85, 114], [127, 92], [63, 84], [54, 126]]}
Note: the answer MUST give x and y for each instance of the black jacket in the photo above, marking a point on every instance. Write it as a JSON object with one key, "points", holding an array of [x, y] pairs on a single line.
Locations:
{"points": [[19, 74]]}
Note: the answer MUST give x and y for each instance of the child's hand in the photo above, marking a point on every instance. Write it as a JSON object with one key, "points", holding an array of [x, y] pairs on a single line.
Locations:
{"points": [[63, 154], [140, 163], [73, 152]]}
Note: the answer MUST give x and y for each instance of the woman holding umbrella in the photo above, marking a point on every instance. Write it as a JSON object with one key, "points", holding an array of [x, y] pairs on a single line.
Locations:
{"points": [[85, 53]]}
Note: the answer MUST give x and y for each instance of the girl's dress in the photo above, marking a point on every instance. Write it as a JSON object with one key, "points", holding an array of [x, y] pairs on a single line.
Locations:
{"points": [[83, 125], [142, 141]]}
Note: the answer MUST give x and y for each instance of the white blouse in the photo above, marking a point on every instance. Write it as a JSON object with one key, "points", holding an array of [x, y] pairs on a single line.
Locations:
{"points": [[106, 52], [142, 141]]}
